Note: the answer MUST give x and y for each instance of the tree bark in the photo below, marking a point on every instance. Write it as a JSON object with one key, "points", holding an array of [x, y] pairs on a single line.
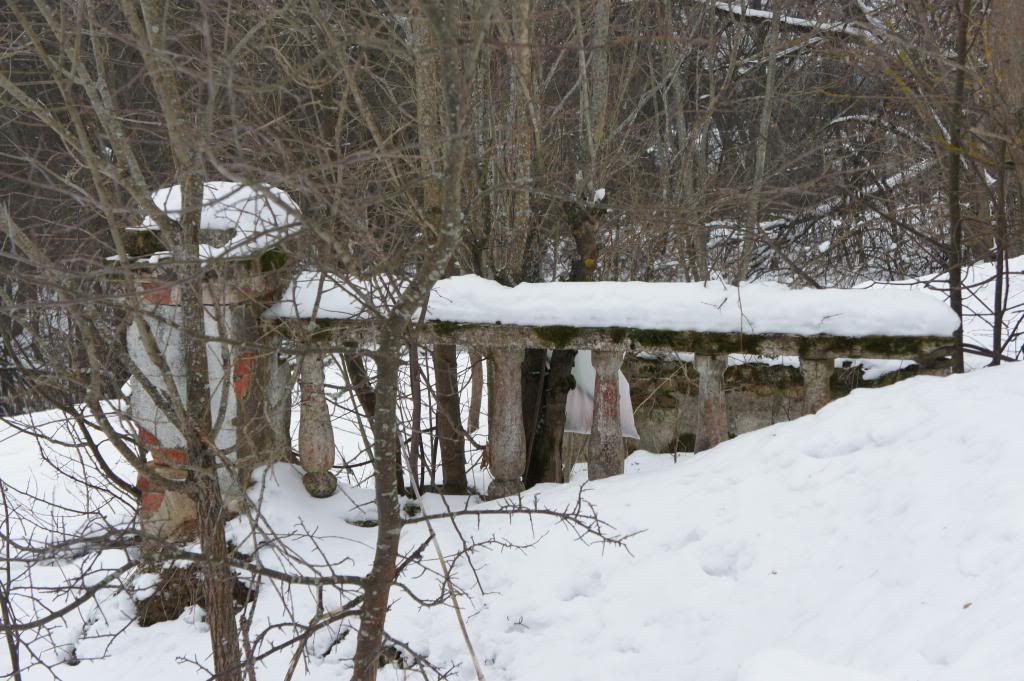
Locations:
{"points": [[534, 368], [6, 610], [545, 454], [389, 520], [1006, 42], [204, 461], [449, 419], [476, 391], [416, 434], [360, 382], [956, 224], [761, 151]]}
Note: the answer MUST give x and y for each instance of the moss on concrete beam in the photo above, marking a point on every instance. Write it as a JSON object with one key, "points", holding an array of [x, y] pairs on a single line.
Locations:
{"points": [[556, 337]]}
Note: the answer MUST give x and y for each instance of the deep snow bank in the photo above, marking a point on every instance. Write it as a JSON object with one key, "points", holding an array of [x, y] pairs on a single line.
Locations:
{"points": [[882, 538]]}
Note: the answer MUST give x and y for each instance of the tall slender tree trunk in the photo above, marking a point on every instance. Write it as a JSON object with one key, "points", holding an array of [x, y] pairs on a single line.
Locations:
{"points": [[449, 419], [1006, 42], [389, 520], [203, 459], [752, 229], [1002, 229], [416, 432], [956, 223], [476, 390], [445, 357], [6, 610]]}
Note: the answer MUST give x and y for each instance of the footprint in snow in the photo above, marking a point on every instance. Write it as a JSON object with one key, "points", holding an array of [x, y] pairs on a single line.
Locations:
{"points": [[726, 559]]}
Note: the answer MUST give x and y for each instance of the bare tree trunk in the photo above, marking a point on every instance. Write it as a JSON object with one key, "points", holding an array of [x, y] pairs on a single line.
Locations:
{"points": [[6, 610], [1002, 229], [1006, 28], [545, 464], [476, 390], [534, 368], [416, 434], [445, 357], [956, 225], [360, 382], [510, 230], [449, 419], [218, 579], [389, 521], [761, 152], [545, 440]]}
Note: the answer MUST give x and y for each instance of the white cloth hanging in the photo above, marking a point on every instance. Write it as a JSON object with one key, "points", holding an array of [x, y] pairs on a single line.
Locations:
{"points": [[579, 404]]}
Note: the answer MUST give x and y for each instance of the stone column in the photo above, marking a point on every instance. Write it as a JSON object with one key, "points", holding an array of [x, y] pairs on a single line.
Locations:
{"points": [[278, 408], [316, 436], [163, 513], [817, 372], [712, 425], [605, 452], [934, 364], [507, 432]]}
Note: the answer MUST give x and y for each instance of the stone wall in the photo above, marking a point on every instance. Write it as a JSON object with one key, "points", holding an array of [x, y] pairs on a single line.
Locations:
{"points": [[664, 393]]}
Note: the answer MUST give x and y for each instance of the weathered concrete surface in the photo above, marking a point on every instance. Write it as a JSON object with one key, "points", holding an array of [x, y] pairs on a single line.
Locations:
{"points": [[342, 334], [316, 435], [576, 445], [664, 394], [605, 453], [817, 373], [507, 431], [711, 409]]}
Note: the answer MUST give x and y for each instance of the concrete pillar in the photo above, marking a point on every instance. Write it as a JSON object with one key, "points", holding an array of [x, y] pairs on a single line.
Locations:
{"points": [[605, 452], [934, 366], [165, 513], [817, 372], [278, 407], [316, 436], [712, 425], [507, 432]]}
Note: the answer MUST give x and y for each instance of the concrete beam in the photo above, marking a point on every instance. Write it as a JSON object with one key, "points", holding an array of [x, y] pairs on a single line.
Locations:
{"points": [[338, 334]]}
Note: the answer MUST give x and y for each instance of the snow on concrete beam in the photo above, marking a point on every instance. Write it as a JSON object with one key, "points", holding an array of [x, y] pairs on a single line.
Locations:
{"points": [[634, 315]]}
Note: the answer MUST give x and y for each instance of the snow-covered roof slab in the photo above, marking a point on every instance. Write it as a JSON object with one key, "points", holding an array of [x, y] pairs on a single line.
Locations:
{"points": [[642, 310], [255, 217]]}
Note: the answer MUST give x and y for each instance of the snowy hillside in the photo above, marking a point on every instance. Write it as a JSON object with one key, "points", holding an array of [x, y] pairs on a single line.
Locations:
{"points": [[882, 538]]}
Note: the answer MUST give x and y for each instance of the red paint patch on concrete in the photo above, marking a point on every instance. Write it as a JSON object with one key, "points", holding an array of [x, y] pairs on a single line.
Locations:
{"points": [[156, 292], [169, 457], [147, 439], [151, 502], [244, 368]]}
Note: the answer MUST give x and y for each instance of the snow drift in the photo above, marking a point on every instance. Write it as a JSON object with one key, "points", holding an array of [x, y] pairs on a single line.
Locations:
{"points": [[881, 539]]}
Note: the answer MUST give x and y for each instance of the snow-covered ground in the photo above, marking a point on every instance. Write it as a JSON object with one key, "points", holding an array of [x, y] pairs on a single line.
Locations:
{"points": [[881, 539]]}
